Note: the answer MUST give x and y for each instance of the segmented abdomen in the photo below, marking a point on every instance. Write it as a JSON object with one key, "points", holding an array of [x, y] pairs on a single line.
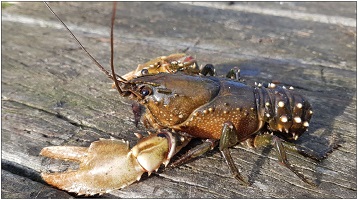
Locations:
{"points": [[283, 110]]}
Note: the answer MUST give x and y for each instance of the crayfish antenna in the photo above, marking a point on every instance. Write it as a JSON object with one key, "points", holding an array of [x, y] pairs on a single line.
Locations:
{"points": [[112, 75], [112, 51]]}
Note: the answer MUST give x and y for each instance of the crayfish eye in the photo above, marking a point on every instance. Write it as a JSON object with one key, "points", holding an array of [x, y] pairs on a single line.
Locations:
{"points": [[145, 91], [162, 135], [144, 72]]}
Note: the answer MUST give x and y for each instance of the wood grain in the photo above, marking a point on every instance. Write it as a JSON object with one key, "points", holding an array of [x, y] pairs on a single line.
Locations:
{"points": [[52, 94]]}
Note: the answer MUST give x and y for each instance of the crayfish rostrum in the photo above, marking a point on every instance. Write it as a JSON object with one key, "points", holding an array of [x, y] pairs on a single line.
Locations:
{"points": [[177, 96]]}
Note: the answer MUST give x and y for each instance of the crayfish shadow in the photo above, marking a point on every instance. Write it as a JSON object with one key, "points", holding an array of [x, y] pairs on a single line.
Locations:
{"points": [[255, 171]]}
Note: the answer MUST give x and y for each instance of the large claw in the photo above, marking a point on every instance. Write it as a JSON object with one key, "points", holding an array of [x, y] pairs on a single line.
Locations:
{"points": [[109, 164]]}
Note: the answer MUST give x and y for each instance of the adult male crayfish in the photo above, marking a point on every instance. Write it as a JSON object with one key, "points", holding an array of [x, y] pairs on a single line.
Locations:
{"points": [[221, 111]]}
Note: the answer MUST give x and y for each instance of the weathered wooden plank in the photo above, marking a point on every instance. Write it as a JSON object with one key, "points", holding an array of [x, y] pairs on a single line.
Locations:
{"points": [[52, 94], [13, 183]]}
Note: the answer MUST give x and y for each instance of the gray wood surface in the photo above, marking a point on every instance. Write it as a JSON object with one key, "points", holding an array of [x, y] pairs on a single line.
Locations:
{"points": [[52, 94]]}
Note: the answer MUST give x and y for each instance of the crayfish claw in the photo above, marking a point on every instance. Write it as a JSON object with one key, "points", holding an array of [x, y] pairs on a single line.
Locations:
{"points": [[104, 166], [64, 152], [74, 181], [109, 164]]}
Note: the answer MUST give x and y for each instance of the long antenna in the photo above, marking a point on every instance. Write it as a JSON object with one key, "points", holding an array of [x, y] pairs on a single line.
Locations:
{"points": [[112, 48], [111, 76]]}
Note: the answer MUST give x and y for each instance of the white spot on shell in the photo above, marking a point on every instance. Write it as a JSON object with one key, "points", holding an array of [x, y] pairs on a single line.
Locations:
{"points": [[299, 105], [138, 135], [180, 116], [297, 120], [290, 88], [283, 119], [281, 104], [271, 85], [295, 137], [306, 124], [268, 115], [182, 139], [310, 112]]}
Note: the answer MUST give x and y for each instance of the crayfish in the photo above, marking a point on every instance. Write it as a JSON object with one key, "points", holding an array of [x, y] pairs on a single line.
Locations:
{"points": [[221, 111]]}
